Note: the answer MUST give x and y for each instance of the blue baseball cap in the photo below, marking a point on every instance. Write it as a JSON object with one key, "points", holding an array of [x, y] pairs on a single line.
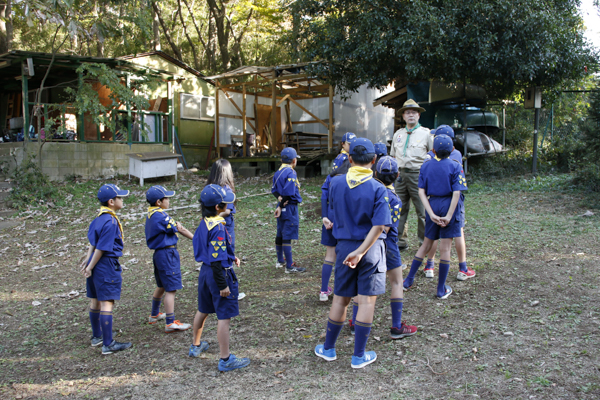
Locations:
{"points": [[387, 166], [444, 130], [442, 142], [366, 143], [214, 194], [157, 192], [380, 148], [348, 137], [288, 154], [110, 191]]}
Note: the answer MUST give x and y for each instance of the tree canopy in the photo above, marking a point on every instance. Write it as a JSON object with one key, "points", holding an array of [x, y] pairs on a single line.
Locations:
{"points": [[501, 45]]}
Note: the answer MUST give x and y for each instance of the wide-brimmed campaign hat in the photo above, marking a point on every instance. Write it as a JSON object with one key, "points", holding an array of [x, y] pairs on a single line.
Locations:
{"points": [[410, 104]]}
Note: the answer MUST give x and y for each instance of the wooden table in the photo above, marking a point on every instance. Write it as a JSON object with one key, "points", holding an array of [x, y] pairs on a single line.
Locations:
{"points": [[152, 165]]}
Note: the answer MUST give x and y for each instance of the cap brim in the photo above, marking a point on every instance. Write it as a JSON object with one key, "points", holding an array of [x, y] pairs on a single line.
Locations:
{"points": [[169, 193], [229, 198], [122, 193]]}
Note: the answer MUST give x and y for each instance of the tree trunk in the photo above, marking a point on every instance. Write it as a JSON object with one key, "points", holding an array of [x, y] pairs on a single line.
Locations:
{"points": [[6, 27], [206, 53], [222, 31], [174, 47], [184, 25], [155, 30]]}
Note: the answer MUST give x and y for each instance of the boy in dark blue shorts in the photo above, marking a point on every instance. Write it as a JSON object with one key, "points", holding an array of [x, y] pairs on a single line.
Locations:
{"points": [[387, 173], [286, 190], [360, 212], [464, 272], [102, 269], [161, 236], [217, 283], [440, 182]]}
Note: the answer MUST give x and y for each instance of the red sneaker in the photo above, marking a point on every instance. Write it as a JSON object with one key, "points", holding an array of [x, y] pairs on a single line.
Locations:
{"points": [[403, 331], [351, 326], [463, 276]]}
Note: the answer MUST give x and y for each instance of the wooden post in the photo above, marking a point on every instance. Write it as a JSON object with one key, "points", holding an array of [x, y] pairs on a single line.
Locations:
{"points": [[170, 118], [330, 130], [25, 89], [274, 114], [216, 134], [128, 83], [244, 121], [80, 122]]}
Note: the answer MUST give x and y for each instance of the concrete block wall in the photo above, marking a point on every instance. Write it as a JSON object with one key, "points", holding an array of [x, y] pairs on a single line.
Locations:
{"points": [[89, 160]]}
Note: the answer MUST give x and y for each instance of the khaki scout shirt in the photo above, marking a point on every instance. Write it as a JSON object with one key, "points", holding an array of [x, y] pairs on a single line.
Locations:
{"points": [[420, 142]]}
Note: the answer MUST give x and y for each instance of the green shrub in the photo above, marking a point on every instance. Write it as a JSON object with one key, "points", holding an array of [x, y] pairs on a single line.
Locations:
{"points": [[31, 185]]}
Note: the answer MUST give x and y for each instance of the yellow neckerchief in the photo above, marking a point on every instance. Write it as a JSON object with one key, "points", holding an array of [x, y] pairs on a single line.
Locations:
{"points": [[284, 166], [153, 209], [344, 152], [390, 186], [358, 175], [106, 210], [437, 159], [211, 222]]}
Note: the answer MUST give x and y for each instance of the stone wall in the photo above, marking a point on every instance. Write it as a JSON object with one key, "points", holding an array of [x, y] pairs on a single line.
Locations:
{"points": [[80, 158]]}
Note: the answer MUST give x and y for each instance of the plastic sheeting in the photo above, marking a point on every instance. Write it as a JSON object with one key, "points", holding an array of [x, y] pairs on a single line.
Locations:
{"points": [[355, 114]]}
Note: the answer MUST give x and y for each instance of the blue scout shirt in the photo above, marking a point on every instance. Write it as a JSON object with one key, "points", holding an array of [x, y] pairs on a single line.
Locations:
{"points": [[440, 178], [357, 202], [395, 208], [212, 242], [105, 234], [325, 197], [285, 184], [455, 155], [339, 160], [161, 231]]}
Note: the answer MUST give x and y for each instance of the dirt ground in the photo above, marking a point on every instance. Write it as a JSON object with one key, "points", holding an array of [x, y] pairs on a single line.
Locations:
{"points": [[526, 327]]}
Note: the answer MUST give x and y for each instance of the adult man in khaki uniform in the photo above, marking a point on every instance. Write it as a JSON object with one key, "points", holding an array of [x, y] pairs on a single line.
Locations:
{"points": [[410, 146]]}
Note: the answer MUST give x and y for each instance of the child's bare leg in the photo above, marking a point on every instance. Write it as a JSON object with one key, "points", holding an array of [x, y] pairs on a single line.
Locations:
{"points": [[327, 269], [223, 337], [461, 247], [395, 277], [338, 308], [366, 308], [417, 261], [198, 327], [158, 292]]}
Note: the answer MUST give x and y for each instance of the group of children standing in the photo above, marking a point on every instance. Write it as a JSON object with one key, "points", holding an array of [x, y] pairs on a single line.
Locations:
{"points": [[360, 212]]}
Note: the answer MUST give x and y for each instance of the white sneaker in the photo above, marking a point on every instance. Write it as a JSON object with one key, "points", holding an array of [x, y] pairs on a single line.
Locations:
{"points": [[152, 320], [241, 295], [404, 266], [429, 273], [279, 265], [324, 296], [177, 326]]}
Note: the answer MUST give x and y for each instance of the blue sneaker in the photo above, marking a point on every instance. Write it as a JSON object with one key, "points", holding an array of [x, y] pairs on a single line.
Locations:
{"points": [[327, 355], [447, 293], [196, 350], [115, 346], [360, 362], [233, 363], [96, 341]]}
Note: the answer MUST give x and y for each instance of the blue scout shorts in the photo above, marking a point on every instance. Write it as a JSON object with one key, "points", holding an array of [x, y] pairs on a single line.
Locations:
{"points": [[462, 215], [392, 254], [439, 206], [368, 278], [105, 282], [209, 297], [287, 223], [327, 238], [167, 269]]}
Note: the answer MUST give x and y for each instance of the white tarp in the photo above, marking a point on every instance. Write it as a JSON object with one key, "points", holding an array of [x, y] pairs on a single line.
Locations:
{"points": [[355, 114]]}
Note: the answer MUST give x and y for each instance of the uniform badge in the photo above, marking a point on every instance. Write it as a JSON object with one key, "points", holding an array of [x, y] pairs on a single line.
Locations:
{"points": [[223, 248], [220, 238], [215, 255], [220, 242], [387, 199], [216, 248], [213, 242]]}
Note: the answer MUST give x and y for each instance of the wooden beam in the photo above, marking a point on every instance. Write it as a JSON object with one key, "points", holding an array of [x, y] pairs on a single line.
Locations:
{"points": [[389, 96], [309, 113], [282, 100], [216, 134], [274, 114], [235, 117], [236, 106], [244, 121], [306, 122]]}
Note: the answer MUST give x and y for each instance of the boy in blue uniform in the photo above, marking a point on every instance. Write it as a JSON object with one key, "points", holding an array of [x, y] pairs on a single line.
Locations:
{"points": [[387, 173], [440, 182], [347, 138], [161, 236], [217, 282], [102, 269], [286, 190], [464, 272], [360, 212]]}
